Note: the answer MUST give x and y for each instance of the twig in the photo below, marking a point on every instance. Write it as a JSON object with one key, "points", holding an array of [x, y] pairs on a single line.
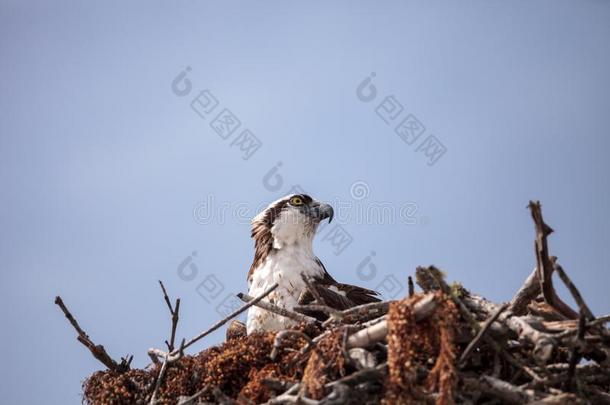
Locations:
{"points": [[575, 354], [221, 398], [520, 366], [171, 356], [497, 368], [361, 376], [153, 397], [528, 291], [358, 314], [475, 342], [279, 310], [411, 286], [153, 356], [559, 398], [288, 393], [544, 343], [503, 390], [289, 397], [97, 351], [544, 263], [230, 316], [168, 358], [282, 334], [330, 311], [174, 311], [191, 400], [378, 331], [277, 385], [584, 309], [597, 321], [371, 309]]}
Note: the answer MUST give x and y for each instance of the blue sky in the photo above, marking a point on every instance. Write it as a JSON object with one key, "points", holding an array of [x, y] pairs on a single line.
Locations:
{"points": [[106, 171]]}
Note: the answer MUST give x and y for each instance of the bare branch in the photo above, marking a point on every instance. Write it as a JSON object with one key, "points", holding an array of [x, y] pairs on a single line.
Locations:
{"points": [[575, 354], [282, 334], [174, 311], [544, 263], [191, 400], [411, 286], [279, 310], [477, 339], [97, 351], [366, 311], [368, 336], [330, 311], [231, 316], [168, 358], [528, 291], [584, 309], [507, 392]]}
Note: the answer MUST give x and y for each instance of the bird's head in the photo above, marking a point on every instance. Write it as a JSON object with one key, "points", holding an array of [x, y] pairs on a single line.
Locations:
{"points": [[301, 209], [290, 220]]}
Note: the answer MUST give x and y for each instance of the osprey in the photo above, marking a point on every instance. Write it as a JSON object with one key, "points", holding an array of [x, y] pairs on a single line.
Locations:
{"points": [[283, 237]]}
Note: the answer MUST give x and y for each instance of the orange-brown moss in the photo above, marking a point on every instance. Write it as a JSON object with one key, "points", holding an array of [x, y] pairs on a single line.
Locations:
{"points": [[443, 376], [412, 345], [236, 367], [326, 363]]}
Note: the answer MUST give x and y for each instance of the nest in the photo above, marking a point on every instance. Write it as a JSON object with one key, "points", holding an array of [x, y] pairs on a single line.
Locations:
{"points": [[442, 345]]}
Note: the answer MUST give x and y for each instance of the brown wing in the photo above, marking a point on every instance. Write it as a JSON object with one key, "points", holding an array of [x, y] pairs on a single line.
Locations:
{"points": [[346, 295]]}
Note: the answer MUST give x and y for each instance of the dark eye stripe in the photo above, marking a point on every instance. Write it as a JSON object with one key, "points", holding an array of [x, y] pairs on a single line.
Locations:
{"points": [[306, 199]]}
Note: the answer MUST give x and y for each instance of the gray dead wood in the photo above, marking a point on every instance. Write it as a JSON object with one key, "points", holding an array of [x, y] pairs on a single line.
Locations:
{"points": [[279, 310], [377, 332]]}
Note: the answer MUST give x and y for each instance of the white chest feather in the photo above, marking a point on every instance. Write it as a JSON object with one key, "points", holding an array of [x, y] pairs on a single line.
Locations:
{"points": [[284, 266]]}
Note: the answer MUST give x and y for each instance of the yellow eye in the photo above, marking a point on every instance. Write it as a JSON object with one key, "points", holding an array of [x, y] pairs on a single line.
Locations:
{"points": [[296, 201]]}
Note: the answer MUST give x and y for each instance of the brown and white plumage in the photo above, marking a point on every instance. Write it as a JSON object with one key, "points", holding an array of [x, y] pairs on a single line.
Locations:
{"points": [[283, 235]]}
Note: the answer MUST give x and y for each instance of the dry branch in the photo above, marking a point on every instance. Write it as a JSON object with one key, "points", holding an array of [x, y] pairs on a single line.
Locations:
{"points": [[97, 351], [377, 332], [500, 389], [279, 310], [584, 308], [545, 264], [477, 339], [232, 315], [174, 311], [528, 291]]}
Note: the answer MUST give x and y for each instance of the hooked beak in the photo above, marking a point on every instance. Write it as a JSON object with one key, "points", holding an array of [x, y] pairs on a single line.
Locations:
{"points": [[323, 211]]}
